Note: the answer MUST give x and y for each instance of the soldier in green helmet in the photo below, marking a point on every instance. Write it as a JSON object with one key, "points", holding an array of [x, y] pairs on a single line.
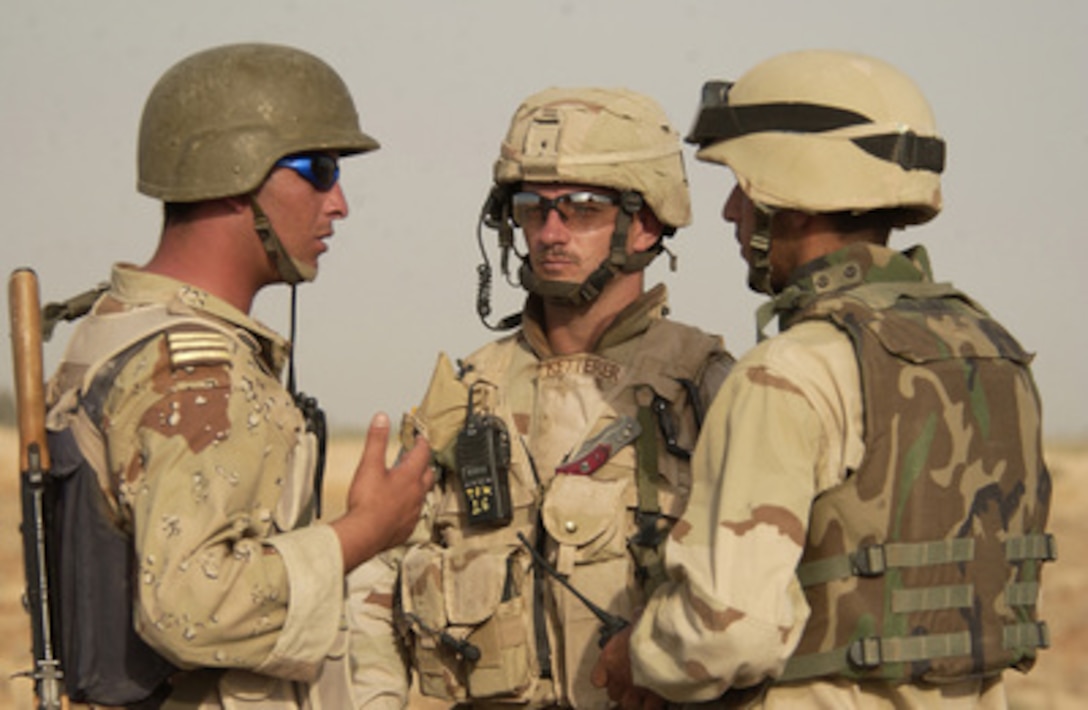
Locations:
{"points": [[171, 401], [869, 502], [564, 446]]}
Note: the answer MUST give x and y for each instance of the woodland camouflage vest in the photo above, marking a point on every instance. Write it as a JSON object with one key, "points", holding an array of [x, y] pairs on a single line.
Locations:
{"points": [[924, 564]]}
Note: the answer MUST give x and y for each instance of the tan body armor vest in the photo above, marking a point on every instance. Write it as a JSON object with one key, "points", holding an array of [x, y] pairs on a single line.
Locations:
{"points": [[924, 564], [597, 476]]}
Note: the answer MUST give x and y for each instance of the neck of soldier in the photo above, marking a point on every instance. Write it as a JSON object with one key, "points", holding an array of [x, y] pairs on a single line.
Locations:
{"points": [[215, 250], [800, 238], [578, 329]]}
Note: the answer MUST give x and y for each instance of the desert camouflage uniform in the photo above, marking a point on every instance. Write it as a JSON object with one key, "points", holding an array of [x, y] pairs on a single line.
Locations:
{"points": [[787, 438], [209, 468], [537, 642]]}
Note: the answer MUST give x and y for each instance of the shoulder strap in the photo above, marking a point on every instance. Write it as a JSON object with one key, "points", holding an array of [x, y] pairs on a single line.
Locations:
{"points": [[675, 360], [73, 309]]}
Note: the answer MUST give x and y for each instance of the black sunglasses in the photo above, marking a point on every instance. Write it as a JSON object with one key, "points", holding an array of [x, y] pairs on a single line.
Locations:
{"points": [[319, 169]]}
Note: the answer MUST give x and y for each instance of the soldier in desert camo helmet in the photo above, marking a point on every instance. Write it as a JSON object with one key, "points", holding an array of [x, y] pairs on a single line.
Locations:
{"points": [[869, 498]]}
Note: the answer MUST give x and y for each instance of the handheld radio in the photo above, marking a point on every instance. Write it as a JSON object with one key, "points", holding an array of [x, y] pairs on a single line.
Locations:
{"points": [[483, 466]]}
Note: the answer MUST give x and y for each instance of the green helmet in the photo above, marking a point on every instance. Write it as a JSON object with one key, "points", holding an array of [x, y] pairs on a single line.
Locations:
{"points": [[825, 131], [217, 121]]}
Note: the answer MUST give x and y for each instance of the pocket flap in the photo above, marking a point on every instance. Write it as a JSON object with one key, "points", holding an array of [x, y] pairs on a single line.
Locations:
{"points": [[579, 509], [421, 585], [474, 583], [298, 483]]}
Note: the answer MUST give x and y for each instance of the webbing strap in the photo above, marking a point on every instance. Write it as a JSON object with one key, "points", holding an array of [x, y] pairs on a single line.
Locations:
{"points": [[874, 560], [954, 596], [645, 546], [1041, 546], [73, 309], [1022, 593], [872, 652], [647, 464], [1026, 637]]}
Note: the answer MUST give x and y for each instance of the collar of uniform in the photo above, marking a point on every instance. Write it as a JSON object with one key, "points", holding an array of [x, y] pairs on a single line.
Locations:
{"points": [[133, 287], [860, 263], [842, 270], [631, 321]]}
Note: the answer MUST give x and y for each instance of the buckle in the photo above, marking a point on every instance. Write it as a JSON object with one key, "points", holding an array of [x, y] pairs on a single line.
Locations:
{"points": [[864, 653], [1044, 634], [869, 561], [1051, 548]]}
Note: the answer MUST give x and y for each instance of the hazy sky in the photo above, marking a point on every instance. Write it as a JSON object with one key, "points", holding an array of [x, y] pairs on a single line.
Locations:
{"points": [[436, 83]]}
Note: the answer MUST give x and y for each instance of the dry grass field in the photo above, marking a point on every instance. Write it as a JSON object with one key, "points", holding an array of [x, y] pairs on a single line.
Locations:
{"points": [[1059, 680]]}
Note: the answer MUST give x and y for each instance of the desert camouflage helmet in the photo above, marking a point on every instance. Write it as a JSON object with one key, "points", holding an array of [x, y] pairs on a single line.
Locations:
{"points": [[825, 131], [217, 121], [612, 138]]}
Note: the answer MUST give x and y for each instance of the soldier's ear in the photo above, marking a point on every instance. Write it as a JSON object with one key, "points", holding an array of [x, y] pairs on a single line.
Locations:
{"points": [[647, 230], [796, 221], [238, 203]]}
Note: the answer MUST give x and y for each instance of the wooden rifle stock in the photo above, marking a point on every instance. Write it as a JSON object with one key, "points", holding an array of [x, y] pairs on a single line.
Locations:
{"points": [[34, 465]]}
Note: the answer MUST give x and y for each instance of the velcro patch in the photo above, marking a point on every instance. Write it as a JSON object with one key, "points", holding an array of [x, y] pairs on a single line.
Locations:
{"points": [[197, 347]]}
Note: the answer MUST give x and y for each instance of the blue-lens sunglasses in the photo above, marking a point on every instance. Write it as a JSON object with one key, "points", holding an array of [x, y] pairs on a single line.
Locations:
{"points": [[319, 169]]}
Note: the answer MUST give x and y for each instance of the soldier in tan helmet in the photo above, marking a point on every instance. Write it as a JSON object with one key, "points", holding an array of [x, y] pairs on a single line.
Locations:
{"points": [[564, 446], [869, 501], [221, 590]]}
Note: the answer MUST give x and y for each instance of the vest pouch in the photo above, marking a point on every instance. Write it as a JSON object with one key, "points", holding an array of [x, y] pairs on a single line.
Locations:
{"points": [[103, 658], [589, 517], [470, 613]]}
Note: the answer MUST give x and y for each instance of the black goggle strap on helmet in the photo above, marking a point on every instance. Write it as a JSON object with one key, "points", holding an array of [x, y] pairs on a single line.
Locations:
{"points": [[273, 246], [618, 261], [496, 215], [716, 121]]}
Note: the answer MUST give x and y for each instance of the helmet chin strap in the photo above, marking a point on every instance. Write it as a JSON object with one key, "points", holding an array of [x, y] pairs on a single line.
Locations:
{"points": [[759, 252], [760, 273], [290, 270], [570, 293], [294, 273]]}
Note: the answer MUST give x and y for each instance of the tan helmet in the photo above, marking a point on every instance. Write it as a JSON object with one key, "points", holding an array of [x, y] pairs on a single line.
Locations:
{"points": [[613, 138], [217, 121], [825, 131]]}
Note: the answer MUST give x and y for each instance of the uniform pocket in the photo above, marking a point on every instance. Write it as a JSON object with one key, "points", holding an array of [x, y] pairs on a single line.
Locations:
{"points": [[298, 483], [469, 615], [588, 515]]}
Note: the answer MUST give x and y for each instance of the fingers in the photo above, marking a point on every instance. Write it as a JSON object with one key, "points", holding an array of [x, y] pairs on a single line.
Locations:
{"points": [[377, 439], [417, 457], [613, 672], [416, 462], [601, 675]]}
